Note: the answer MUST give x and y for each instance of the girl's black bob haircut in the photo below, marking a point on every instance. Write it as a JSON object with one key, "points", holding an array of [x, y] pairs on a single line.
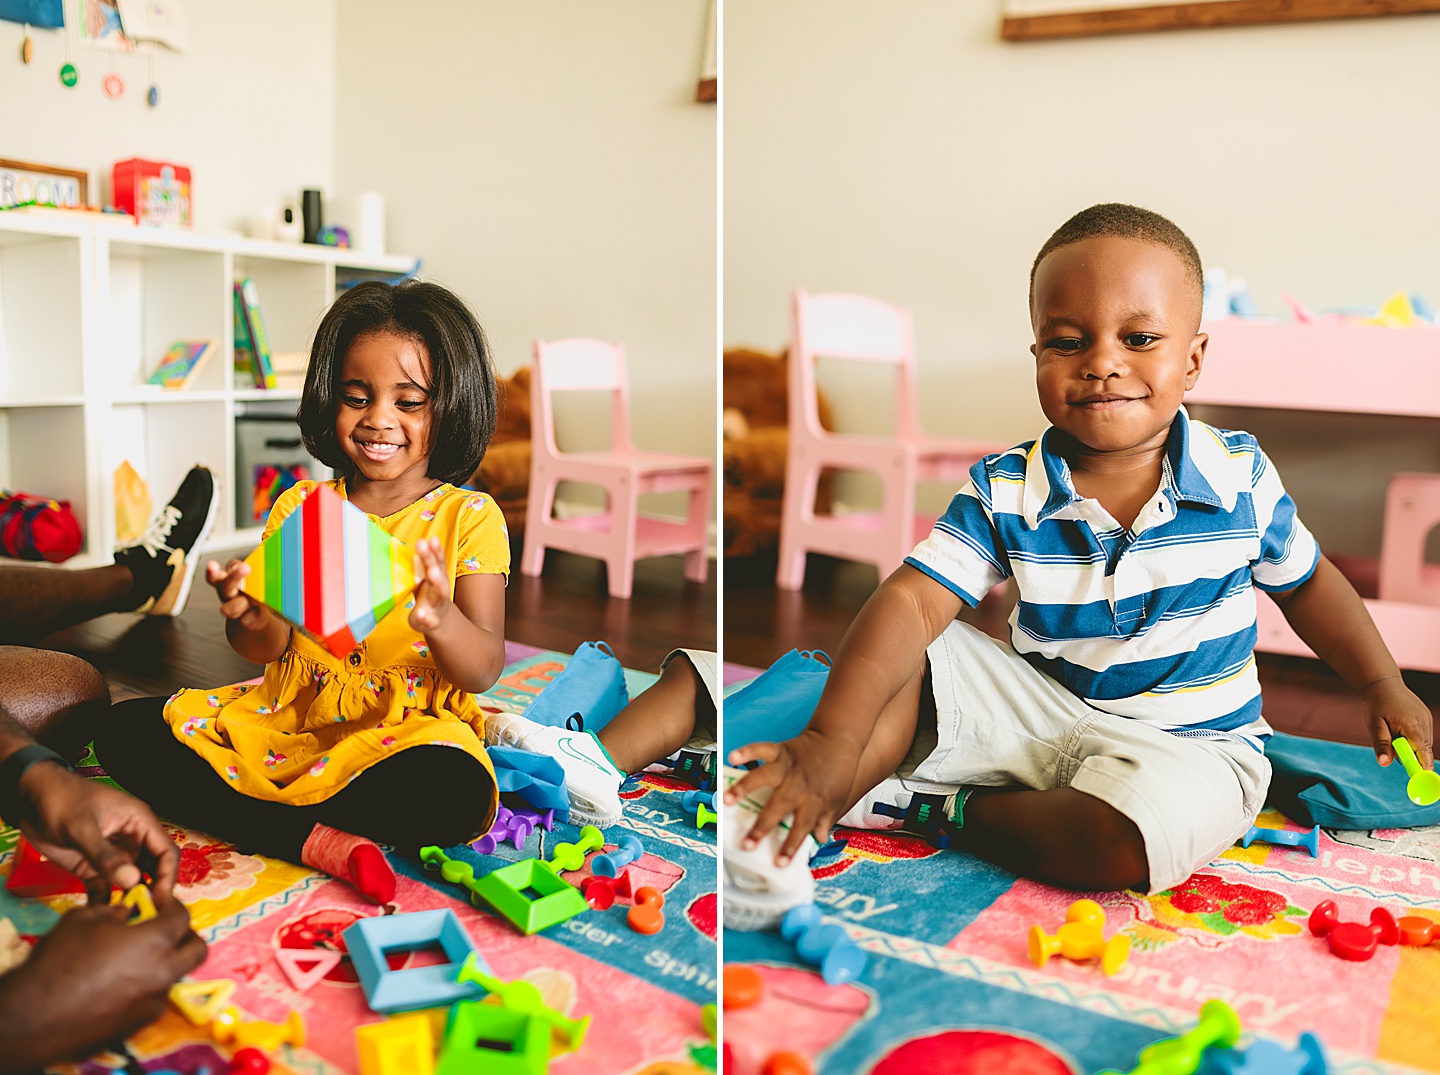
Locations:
{"points": [[462, 378]]}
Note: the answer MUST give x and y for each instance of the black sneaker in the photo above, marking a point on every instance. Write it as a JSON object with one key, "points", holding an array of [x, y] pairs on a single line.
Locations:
{"points": [[160, 560]]}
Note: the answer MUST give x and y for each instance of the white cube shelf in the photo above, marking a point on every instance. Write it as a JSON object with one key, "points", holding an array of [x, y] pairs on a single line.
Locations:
{"points": [[88, 306]]}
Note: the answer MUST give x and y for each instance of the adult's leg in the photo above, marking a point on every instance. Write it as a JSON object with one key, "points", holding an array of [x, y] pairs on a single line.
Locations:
{"points": [[59, 699], [38, 601], [424, 795]]}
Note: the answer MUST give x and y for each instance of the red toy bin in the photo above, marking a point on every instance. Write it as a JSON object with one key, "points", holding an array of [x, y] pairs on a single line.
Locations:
{"points": [[153, 192]]}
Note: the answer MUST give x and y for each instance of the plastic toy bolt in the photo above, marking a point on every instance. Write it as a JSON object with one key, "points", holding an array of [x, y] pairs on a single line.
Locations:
{"points": [[567, 858], [610, 864], [840, 960], [1219, 1025], [692, 799], [645, 916], [708, 1018], [1081, 937], [742, 986], [1310, 841], [508, 825], [1417, 931], [704, 816], [525, 998], [1267, 1058], [601, 892], [1352, 940], [1424, 786]]}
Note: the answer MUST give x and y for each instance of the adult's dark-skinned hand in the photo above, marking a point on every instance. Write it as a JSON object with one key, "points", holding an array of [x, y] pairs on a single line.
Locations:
{"points": [[91, 982]]}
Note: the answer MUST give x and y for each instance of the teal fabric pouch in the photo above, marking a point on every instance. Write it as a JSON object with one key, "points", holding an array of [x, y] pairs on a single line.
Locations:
{"points": [[779, 702], [592, 684], [1340, 786]]}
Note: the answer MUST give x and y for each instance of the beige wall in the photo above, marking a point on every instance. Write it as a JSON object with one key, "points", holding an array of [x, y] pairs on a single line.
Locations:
{"points": [[249, 106], [550, 164], [905, 151]]}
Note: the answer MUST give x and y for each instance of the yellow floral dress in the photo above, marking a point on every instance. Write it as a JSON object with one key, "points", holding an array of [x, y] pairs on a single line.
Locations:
{"points": [[317, 721]]}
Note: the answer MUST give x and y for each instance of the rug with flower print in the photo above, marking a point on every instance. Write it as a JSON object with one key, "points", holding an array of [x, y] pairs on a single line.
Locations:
{"points": [[949, 988], [248, 907]]}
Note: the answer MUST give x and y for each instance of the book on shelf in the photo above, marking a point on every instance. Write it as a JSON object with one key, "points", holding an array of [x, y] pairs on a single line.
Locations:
{"points": [[182, 363], [256, 342]]}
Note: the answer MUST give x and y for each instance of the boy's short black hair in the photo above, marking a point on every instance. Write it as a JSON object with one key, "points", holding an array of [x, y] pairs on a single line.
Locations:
{"points": [[1127, 222], [462, 388]]}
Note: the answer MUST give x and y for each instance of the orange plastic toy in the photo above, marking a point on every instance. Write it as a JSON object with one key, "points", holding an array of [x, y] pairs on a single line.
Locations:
{"points": [[1417, 931], [743, 985], [787, 1063], [1081, 937], [645, 916]]}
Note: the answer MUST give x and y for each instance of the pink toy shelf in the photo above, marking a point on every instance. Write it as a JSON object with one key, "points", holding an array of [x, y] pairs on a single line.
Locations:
{"points": [[1355, 368]]}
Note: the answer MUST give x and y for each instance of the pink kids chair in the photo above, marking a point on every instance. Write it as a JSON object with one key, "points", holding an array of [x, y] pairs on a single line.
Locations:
{"points": [[620, 535], [863, 329], [1412, 510]]}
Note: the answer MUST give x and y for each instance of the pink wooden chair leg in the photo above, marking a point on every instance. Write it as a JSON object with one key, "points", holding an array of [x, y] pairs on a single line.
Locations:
{"points": [[537, 514]]}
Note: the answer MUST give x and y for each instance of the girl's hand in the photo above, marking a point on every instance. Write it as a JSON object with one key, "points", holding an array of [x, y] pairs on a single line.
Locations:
{"points": [[811, 775], [432, 595], [234, 604], [1392, 709]]}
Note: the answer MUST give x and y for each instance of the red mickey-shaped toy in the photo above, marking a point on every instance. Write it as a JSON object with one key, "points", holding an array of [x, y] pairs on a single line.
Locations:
{"points": [[1353, 940]]}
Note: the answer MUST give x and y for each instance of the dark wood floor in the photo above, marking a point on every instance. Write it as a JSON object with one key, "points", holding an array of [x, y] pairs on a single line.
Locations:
{"points": [[1302, 696], [568, 605]]}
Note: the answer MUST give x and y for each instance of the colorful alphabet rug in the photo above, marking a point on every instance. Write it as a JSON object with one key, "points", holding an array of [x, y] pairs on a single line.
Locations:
{"points": [[643, 992], [949, 988]]}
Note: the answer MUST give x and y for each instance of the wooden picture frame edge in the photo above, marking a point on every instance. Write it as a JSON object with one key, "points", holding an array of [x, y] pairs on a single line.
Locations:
{"points": [[1205, 14], [82, 178]]}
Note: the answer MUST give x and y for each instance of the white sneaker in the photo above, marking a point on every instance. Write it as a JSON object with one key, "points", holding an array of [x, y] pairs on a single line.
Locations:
{"points": [[897, 793], [592, 779], [757, 892]]}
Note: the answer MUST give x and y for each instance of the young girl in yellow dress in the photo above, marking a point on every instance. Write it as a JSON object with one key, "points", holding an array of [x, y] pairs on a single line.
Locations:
{"points": [[330, 755]]}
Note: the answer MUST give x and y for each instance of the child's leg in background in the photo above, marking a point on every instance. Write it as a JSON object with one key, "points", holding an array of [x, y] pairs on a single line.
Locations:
{"points": [[57, 698], [424, 795], [665, 716]]}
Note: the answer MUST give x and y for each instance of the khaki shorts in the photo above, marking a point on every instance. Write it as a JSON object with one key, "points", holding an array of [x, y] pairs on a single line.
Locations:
{"points": [[999, 721], [707, 666]]}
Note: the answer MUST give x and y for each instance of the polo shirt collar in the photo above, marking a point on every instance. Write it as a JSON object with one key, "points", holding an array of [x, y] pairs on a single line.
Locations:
{"points": [[1201, 471]]}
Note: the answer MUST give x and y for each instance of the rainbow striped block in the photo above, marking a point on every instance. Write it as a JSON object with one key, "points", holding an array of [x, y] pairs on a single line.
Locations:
{"points": [[330, 570]]}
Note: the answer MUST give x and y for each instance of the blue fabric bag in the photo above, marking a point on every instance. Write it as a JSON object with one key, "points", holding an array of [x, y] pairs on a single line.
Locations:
{"points": [[778, 703], [1340, 786], [536, 778], [592, 684]]}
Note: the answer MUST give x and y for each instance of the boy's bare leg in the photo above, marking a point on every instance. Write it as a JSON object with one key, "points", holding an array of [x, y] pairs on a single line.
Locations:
{"points": [[54, 696], [658, 721], [1061, 836], [39, 601]]}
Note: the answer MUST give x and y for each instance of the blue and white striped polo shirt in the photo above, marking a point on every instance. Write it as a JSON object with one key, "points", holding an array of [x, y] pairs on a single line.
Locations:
{"points": [[1157, 622]]}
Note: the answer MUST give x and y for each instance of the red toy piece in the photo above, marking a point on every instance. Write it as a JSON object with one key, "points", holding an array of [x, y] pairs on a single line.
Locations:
{"points": [[249, 1061], [34, 875], [1418, 931], [1352, 940], [645, 916], [602, 892]]}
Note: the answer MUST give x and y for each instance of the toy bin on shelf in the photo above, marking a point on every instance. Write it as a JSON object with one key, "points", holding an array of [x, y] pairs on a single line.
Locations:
{"points": [[1345, 367]]}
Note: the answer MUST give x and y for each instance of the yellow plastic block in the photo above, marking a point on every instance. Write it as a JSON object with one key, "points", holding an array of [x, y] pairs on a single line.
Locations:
{"points": [[202, 1002], [397, 1047], [259, 1034]]}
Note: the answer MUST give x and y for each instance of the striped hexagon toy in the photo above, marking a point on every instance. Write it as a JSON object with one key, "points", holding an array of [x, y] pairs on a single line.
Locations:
{"points": [[330, 570]]}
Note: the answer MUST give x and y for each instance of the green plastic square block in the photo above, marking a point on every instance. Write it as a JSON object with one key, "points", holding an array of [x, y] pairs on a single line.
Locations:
{"points": [[506, 890], [485, 1039]]}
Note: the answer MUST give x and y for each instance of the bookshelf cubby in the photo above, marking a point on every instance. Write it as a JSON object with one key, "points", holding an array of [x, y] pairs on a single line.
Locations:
{"points": [[89, 305]]}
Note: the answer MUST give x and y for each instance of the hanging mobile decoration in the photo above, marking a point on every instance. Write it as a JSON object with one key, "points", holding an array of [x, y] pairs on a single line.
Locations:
{"points": [[112, 84], [68, 75], [27, 46], [152, 95]]}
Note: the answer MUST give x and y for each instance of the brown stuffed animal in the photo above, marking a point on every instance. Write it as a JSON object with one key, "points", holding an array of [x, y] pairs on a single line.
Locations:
{"points": [[505, 471]]}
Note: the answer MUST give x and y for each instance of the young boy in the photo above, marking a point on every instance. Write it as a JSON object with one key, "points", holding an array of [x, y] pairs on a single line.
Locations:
{"points": [[1117, 742]]}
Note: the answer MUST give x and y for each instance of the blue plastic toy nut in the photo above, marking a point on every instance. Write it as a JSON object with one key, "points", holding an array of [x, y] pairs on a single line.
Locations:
{"points": [[1267, 1058], [536, 778], [406, 990], [612, 862], [1310, 841], [840, 960], [691, 799]]}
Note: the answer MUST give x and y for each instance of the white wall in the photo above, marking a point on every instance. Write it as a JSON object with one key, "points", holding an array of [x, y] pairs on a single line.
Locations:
{"points": [[249, 106], [549, 163], [905, 151]]}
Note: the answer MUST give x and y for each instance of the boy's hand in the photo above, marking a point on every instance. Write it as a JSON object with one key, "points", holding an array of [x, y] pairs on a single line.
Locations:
{"points": [[432, 595], [811, 775], [1392, 709], [234, 603]]}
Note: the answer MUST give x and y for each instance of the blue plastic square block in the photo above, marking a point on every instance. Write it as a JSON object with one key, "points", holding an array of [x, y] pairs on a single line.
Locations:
{"points": [[413, 988]]}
